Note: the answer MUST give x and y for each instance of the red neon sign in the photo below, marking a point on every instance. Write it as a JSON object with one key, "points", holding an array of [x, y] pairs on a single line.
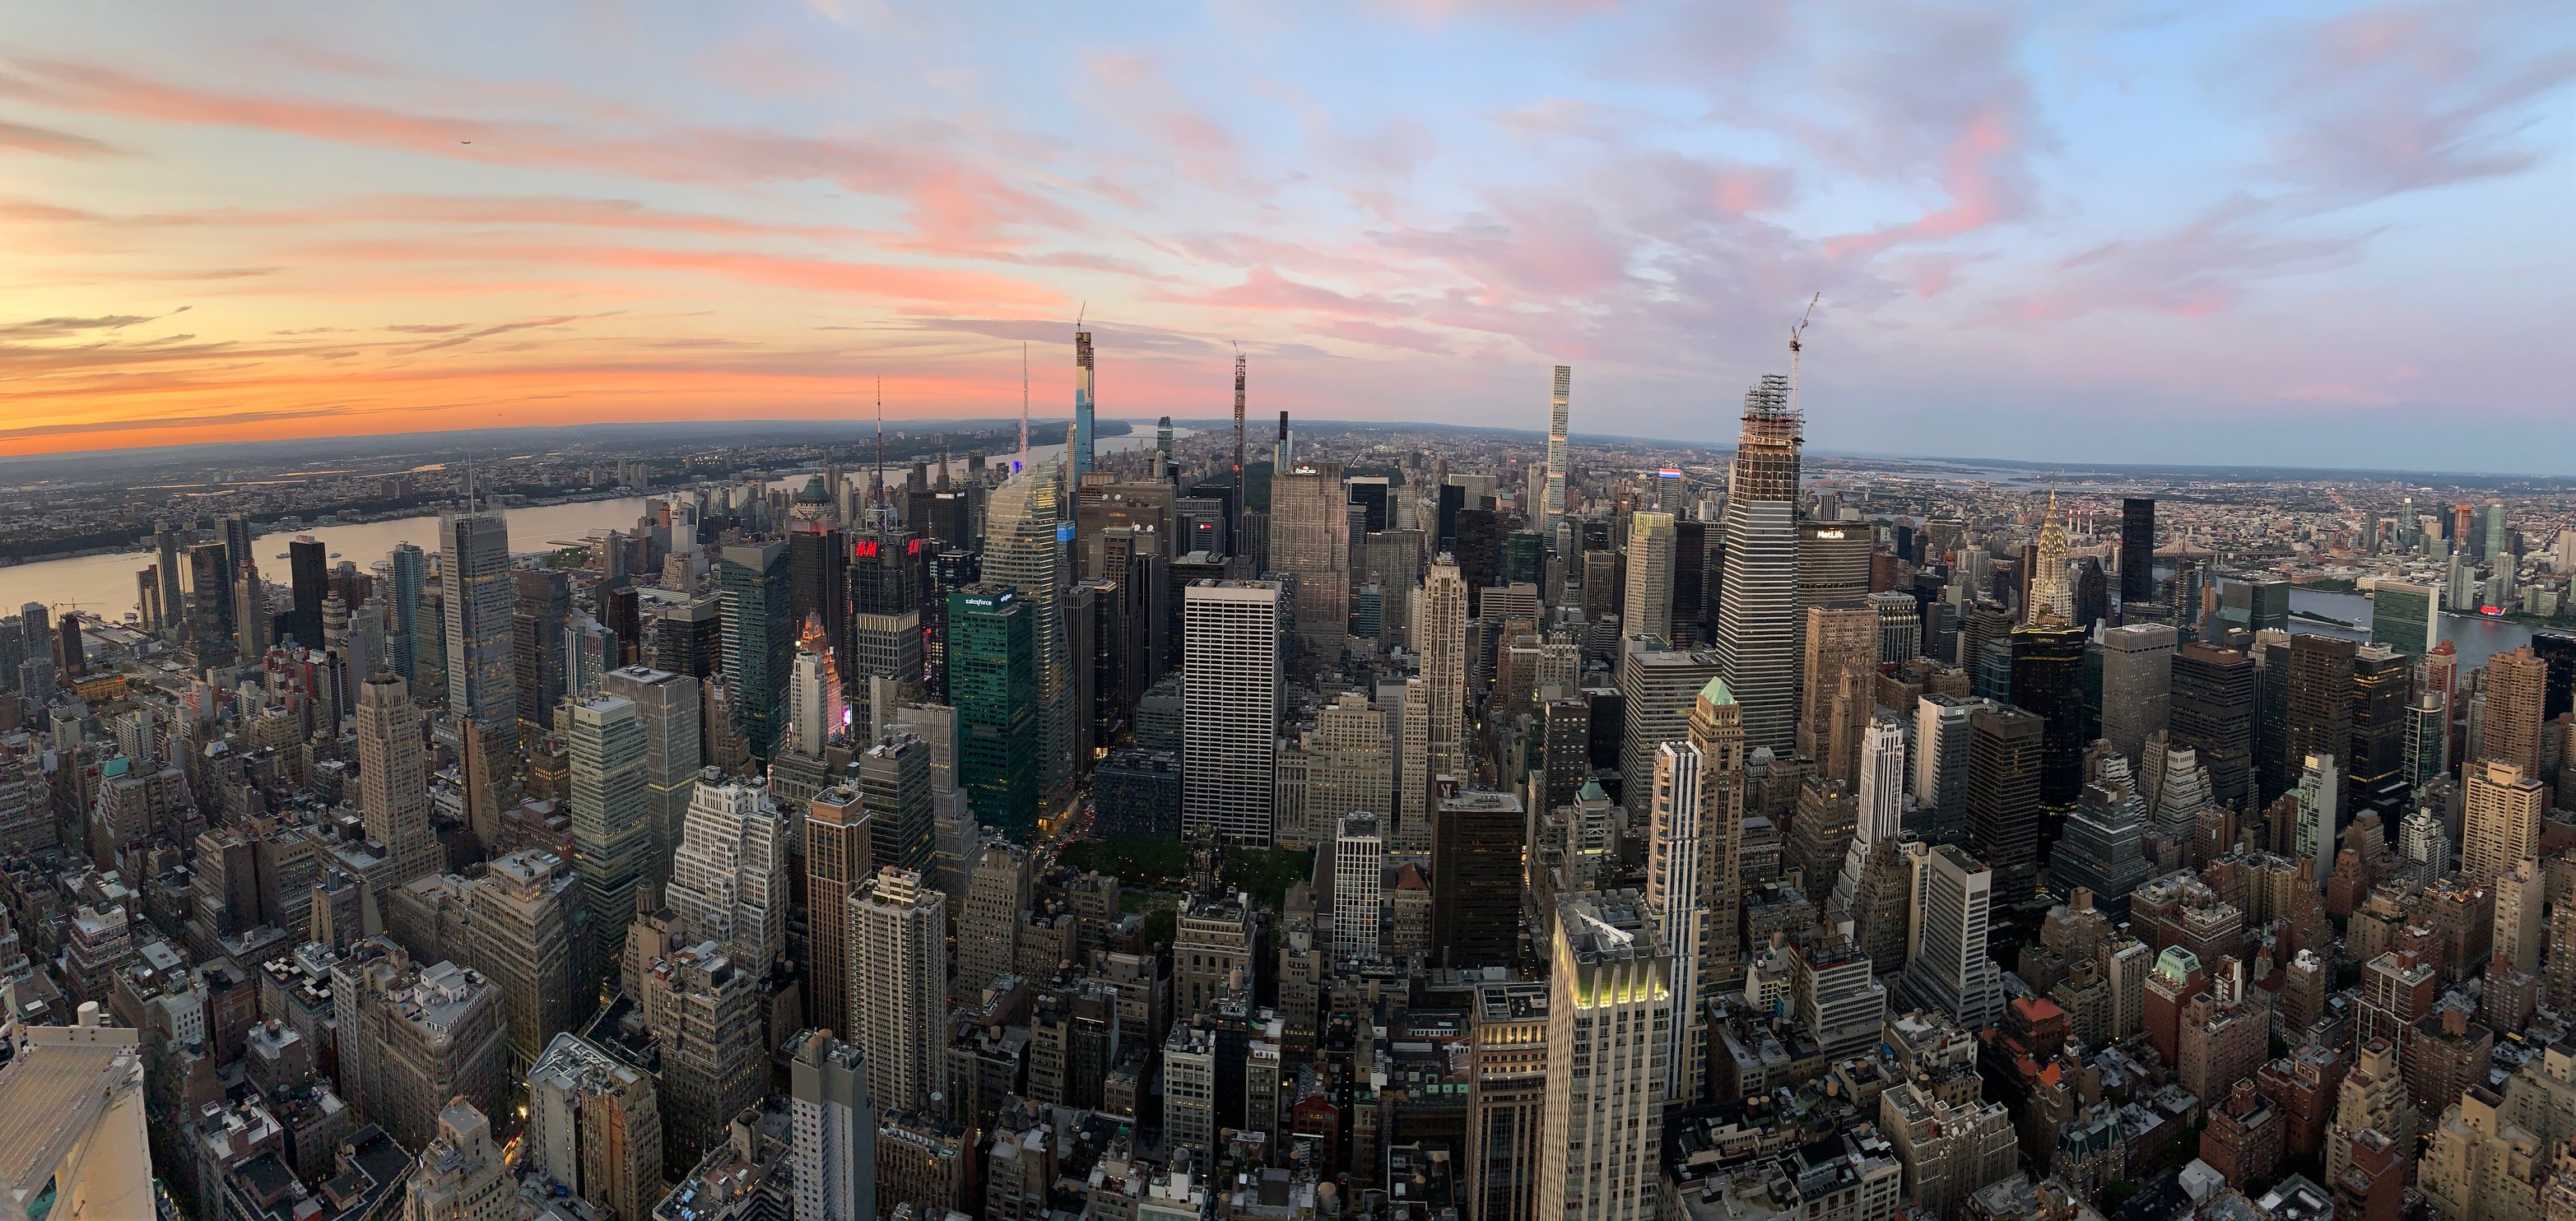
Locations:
{"points": [[910, 548], [864, 550]]}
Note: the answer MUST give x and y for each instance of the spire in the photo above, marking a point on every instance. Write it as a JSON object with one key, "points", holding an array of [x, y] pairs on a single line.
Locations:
{"points": [[2051, 601]]}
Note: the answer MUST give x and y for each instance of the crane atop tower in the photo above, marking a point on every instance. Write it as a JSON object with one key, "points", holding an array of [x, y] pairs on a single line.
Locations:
{"points": [[1796, 334]]}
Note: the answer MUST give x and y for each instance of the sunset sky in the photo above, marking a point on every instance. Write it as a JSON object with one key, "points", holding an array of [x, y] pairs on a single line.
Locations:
{"points": [[2167, 231]]}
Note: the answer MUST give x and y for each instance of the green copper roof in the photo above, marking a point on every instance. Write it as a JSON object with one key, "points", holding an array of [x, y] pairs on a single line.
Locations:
{"points": [[1716, 693], [1591, 791]]}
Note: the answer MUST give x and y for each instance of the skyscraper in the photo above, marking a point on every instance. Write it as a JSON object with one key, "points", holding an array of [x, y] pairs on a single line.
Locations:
{"points": [[2004, 764], [1948, 968], [669, 706], [759, 640], [393, 778], [993, 682], [1310, 540], [474, 583], [1359, 855], [308, 566], [612, 834], [896, 780], [2212, 712], [2319, 710], [1082, 409], [1716, 731], [2405, 616], [1230, 689], [837, 859], [836, 1128], [531, 937], [729, 882], [2501, 820], [1553, 507], [1675, 859], [816, 707], [1646, 609], [1838, 686], [1604, 1128], [1476, 878], [2375, 766], [1443, 627], [1023, 548], [595, 1126], [2137, 685], [1757, 638], [2137, 550], [899, 987], [2517, 694], [414, 637]]}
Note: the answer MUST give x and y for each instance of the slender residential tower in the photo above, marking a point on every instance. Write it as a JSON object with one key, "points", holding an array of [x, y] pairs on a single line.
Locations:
{"points": [[1234, 529], [1554, 508], [1081, 403]]}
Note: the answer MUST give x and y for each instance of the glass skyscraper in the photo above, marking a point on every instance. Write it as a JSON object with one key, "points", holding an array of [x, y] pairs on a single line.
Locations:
{"points": [[993, 683]]}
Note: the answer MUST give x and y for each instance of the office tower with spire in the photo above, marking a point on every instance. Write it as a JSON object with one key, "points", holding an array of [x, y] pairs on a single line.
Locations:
{"points": [[393, 779], [898, 973], [1646, 607], [1231, 682], [612, 833], [1677, 857], [2047, 681], [1603, 1134], [759, 640], [1552, 508], [1757, 637], [729, 880], [1023, 548], [1310, 540]]}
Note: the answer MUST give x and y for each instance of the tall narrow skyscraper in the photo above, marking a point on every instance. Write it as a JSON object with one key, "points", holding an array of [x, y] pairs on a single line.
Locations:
{"points": [[899, 987], [670, 706], [1443, 627], [1757, 638], [759, 640], [308, 568], [1553, 508], [1605, 1103], [1310, 540], [836, 1130], [1675, 873], [414, 637], [1082, 404], [993, 682], [1647, 607]]}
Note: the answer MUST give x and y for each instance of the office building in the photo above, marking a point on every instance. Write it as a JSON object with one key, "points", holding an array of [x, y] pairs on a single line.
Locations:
{"points": [[1646, 608], [2312, 838], [1947, 967], [1350, 769], [759, 640], [992, 681], [1310, 541], [1442, 621], [308, 568], [476, 591], [461, 1175], [669, 706], [2005, 748], [2517, 693], [998, 893], [1609, 990], [2137, 685], [837, 858], [836, 1129], [2212, 714], [2319, 707], [595, 1126], [729, 879], [1838, 687], [898, 977], [1507, 1100], [530, 932], [1476, 878], [393, 778], [896, 777], [1659, 688], [410, 1039], [708, 1019], [1024, 534], [612, 834], [2500, 823], [1231, 684], [1359, 853], [1757, 639], [1677, 860], [2405, 616], [2137, 550]]}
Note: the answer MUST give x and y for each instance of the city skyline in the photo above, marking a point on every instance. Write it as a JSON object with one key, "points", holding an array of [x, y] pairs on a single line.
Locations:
{"points": [[2307, 239]]}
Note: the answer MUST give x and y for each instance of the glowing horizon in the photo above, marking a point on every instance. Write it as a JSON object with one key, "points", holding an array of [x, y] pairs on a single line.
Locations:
{"points": [[2329, 235]]}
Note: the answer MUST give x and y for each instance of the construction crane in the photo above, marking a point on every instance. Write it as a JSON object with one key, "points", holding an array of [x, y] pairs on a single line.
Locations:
{"points": [[1795, 334]]}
